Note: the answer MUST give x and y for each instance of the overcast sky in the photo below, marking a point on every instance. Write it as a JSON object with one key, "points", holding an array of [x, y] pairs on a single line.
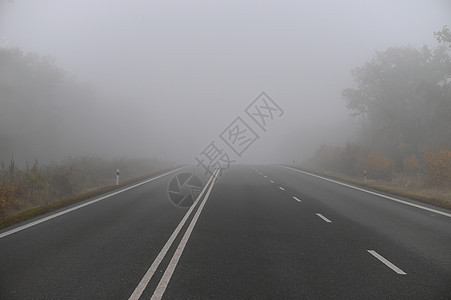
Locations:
{"points": [[176, 73]]}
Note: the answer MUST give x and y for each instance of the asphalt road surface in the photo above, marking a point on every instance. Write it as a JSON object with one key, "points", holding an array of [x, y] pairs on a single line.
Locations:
{"points": [[255, 232]]}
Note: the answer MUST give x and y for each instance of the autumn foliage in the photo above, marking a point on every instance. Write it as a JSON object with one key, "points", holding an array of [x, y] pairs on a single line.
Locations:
{"points": [[438, 167], [353, 160], [410, 164], [433, 167], [379, 165]]}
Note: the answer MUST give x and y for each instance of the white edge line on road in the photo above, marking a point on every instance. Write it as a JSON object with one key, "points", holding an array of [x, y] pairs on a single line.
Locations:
{"points": [[164, 281], [45, 219], [324, 218], [386, 262], [281, 188], [152, 269], [297, 199], [373, 193]]}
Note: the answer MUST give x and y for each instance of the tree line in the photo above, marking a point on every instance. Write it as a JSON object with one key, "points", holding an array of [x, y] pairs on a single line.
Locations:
{"points": [[46, 115], [402, 99]]}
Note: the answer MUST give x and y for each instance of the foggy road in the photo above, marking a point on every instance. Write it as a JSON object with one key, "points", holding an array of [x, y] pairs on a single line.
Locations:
{"points": [[97, 93], [256, 232]]}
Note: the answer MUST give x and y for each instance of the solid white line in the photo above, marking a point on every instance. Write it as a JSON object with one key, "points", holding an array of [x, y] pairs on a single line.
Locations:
{"points": [[151, 271], [386, 262], [42, 220], [281, 188], [162, 285], [272, 181], [376, 194], [324, 218], [296, 198]]}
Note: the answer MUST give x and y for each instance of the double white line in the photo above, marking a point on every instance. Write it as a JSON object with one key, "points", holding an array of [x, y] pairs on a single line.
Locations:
{"points": [[164, 281]]}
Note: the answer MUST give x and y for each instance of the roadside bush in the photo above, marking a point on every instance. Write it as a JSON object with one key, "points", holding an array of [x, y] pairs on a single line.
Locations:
{"points": [[410, 165], [329, 157], [378, 166], [438, 167], [353, 159]]}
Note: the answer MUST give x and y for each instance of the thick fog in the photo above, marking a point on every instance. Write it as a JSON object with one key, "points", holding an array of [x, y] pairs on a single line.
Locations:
{"points": [[165, 78]]}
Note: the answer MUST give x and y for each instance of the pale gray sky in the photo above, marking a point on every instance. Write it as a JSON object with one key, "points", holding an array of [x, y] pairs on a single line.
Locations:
{"points": [[175, 73]]}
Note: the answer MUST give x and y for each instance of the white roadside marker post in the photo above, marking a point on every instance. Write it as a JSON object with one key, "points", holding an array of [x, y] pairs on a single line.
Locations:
{"points": [[117, 176]]}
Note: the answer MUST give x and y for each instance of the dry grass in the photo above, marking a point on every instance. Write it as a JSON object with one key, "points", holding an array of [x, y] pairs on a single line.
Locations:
{"points": [[436, 197], [37, 211]]}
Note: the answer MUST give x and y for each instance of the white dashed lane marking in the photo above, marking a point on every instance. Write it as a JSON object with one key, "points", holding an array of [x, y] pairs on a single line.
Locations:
{"points": [[386, 262], [324, 218]]}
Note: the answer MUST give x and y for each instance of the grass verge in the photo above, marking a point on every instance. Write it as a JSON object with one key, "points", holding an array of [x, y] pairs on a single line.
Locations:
{"points": [[40, 210], [429, 196]]}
